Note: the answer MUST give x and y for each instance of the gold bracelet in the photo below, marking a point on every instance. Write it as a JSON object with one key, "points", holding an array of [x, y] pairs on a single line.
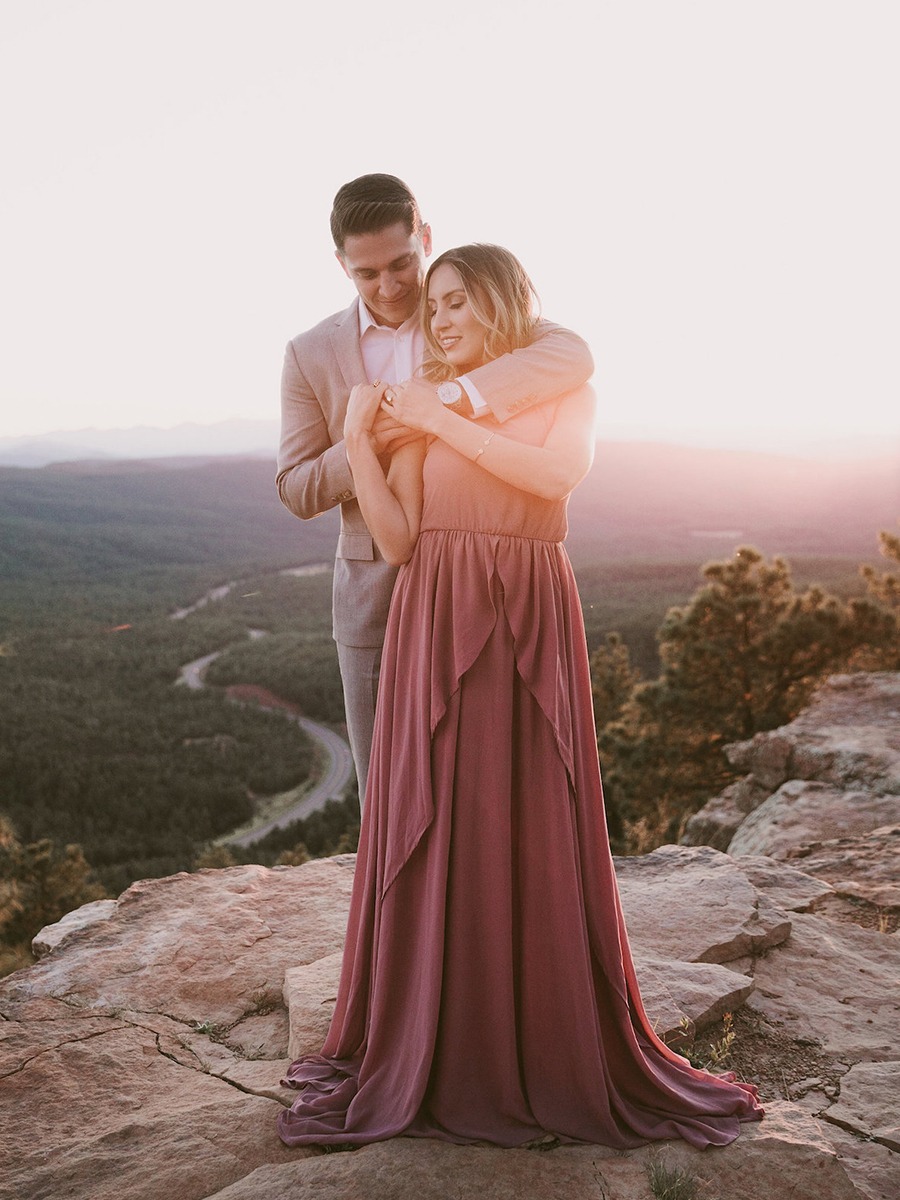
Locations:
{"points": [[483, 447]]}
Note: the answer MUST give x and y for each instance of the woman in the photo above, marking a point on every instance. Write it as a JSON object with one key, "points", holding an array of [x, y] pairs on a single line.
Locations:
{"points": [[487, 991]]}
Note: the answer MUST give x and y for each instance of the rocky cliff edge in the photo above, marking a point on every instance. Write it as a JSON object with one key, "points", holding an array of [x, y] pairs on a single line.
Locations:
{"points": [[141, 1055]]}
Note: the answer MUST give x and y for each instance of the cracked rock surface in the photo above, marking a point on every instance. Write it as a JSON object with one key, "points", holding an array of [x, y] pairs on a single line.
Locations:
{"points": [[841, 760], [140, 1057], [815, 825], [870, 1103]]}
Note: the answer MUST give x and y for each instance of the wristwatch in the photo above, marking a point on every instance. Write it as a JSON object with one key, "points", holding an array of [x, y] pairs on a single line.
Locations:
{"points": [[454, 398], [449, 393]]}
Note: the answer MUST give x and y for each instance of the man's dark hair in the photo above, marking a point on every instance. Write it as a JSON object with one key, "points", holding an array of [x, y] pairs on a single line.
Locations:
{"points": [[371, 203]]}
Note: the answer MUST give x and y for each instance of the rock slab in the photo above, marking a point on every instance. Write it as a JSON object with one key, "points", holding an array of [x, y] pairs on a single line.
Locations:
{"points": [[865, 868], [801, 812], [785, 1155], [141, 1057], [696, 905], [847, 740], [869, 1104]]}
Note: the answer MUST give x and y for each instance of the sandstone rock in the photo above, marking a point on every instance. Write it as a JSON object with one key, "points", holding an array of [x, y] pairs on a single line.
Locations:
{"points": [[866, 868], [261, 1035], [784, 1155], [801, 812], [201, 1050], [681, 998], [870, 698], [141, 1059], [207, 947], [50, 936], [849, 758], [260, 1078], [849, 736], [310, 993], [872, 1169], [97, 1109], [418, 1169], [720, 818], [767, 756], [695, 905], [833, 984], [870, 1102], [787, 887]]}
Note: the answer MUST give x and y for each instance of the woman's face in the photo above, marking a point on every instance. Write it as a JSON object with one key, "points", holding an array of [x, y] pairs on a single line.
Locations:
{"points": [[454, 326]]}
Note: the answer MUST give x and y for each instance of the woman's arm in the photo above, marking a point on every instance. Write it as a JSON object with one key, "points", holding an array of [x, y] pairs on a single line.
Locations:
{"points": [[391, 505], [549, 471]]}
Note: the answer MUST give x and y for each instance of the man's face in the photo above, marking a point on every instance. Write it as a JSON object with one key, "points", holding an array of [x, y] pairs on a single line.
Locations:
{"points": [[387, 269]]}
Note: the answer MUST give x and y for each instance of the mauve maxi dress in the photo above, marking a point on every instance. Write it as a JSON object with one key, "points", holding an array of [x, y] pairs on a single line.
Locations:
{"points": [[487, 990]]}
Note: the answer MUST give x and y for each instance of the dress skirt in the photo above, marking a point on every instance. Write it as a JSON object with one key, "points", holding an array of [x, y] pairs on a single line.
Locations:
{"points": [[488, 991]]}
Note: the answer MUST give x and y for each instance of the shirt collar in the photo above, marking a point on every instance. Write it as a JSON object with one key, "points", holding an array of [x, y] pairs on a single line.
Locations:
{"points": [[367, 321]]}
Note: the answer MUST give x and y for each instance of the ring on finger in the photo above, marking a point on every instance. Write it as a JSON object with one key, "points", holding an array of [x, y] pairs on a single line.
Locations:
{"points": [[389, 396]]}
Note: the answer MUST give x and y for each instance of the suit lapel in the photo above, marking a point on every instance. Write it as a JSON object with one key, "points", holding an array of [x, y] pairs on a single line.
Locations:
{"points": [[345, 341]]}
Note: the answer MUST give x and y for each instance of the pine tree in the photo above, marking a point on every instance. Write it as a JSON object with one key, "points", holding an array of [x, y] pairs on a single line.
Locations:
{"points": [[613, 679], [885, 588], [10, 904], [42, 884], [215, 856], [742, 656]]}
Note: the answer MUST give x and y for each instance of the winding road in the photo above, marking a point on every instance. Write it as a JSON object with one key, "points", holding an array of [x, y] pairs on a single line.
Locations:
{"points": [[338, 761]]}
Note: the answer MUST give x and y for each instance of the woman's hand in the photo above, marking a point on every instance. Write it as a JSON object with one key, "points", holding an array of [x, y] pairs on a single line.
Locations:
{"points": [[388, 435], [362, 408], [415, 404]]}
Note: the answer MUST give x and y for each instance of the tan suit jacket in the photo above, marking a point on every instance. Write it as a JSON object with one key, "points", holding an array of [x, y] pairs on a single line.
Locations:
{"points": [[320, 368]]}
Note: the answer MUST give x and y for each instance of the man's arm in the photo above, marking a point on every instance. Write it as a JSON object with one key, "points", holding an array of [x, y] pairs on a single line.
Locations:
{"points": [[556, 362], [313, 473]]}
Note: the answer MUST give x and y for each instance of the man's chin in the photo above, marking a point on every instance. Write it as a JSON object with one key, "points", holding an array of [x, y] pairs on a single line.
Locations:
{"points": [[395, 314]]}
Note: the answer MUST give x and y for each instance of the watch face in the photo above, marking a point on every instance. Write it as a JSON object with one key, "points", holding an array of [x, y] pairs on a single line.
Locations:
{"points": [[449, 392]]}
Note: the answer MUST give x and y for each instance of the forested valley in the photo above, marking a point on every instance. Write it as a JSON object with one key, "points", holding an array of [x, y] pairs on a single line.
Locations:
{"points": [[110, 771]]}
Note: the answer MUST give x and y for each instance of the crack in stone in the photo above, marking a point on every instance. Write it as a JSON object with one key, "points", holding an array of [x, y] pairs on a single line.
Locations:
{"points": [[863, 1135], [58, 1045], [213, 1074], [248, 1091], [112, 1011], [171, 1057]]}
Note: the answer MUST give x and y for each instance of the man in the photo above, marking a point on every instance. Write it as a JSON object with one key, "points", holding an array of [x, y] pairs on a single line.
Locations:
{"points": [[381, 243]]}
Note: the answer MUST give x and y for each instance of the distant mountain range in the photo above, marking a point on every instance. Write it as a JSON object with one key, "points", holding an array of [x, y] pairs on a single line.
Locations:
{"points": [[249, 439], [641, 502], [652, 500], [259, 439]]}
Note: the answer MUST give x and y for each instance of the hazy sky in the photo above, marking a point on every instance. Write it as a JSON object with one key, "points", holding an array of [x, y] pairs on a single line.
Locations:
{"points": [[707, 190]]}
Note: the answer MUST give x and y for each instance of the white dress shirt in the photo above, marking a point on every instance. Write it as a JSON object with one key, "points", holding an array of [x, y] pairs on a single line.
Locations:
{"points": [[391, 355], [394, 355]]}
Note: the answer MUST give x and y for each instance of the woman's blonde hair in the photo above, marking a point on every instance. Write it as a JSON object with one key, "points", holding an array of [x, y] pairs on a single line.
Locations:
{"points": [[500, 294]]}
